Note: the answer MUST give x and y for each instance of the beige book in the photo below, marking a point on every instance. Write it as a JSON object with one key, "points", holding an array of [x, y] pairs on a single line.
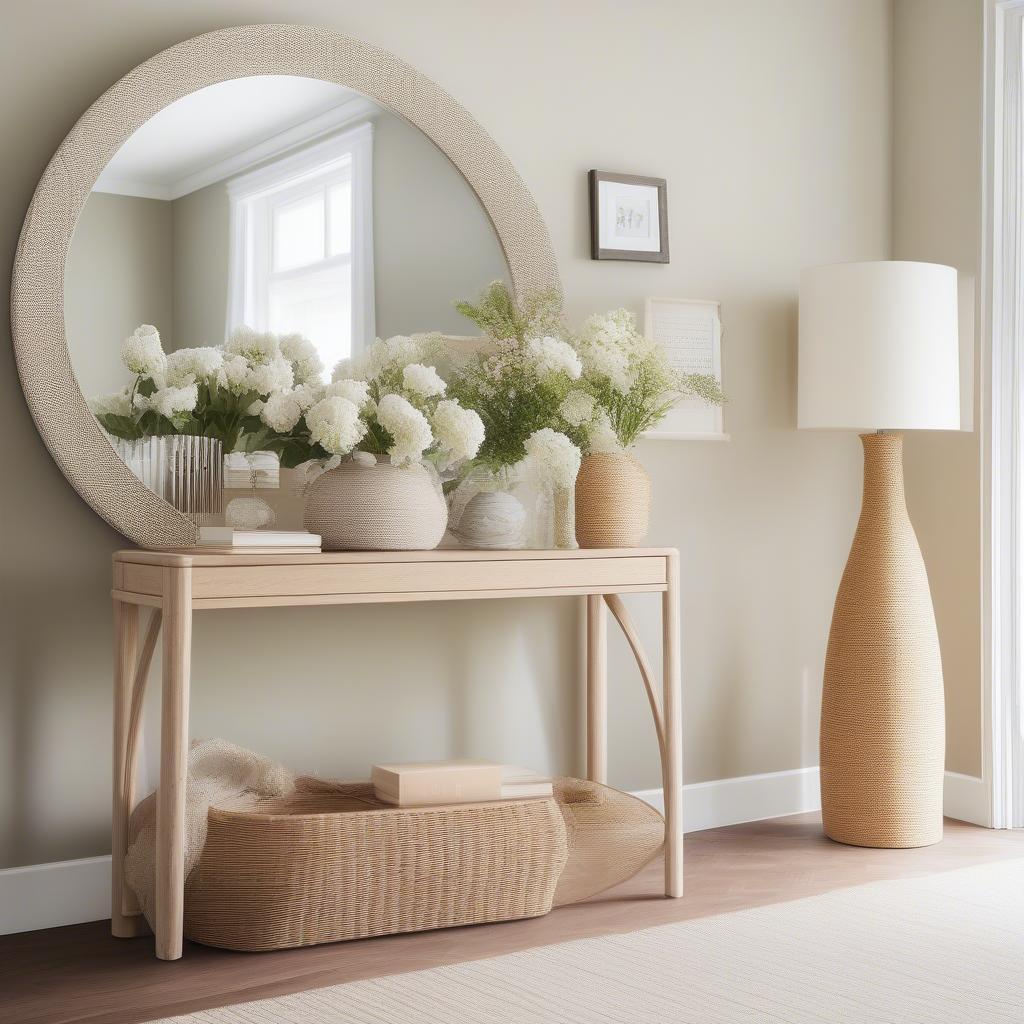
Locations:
{"points": [[437, 782]]}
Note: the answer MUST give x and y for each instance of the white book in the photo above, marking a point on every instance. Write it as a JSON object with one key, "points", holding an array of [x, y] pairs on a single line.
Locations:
{"points": [[229, 537]]}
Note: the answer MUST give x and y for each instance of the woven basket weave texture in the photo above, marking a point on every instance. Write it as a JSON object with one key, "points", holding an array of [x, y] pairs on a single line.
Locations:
{"points": [[613, 501], [328, 862], [882, 713], [376, 508]]}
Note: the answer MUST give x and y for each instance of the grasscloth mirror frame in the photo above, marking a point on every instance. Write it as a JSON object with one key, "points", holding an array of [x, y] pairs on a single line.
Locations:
{"points": [[70, 432]]}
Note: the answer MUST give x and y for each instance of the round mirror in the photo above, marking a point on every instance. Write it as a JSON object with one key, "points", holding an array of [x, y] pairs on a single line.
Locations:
{"points": [[266, 182]]}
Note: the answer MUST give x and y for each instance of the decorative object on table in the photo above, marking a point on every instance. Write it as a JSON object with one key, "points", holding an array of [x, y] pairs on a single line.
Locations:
{"points": [[274, 861], [422, 783], [627, 386], [491, 517], [213, 395], [184, 469], [628, 217], [690, 333], [375, 440], [553, 462], [228, 539], [372, 505], [879, 349], [252, 470], [517, 382]]}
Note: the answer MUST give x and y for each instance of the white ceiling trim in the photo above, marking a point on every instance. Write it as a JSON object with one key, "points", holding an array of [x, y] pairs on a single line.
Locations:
{"points": [[277, 144]]}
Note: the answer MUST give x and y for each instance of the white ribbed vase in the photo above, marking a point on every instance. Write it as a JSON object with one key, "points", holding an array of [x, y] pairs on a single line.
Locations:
{"points": [[376, 508]]}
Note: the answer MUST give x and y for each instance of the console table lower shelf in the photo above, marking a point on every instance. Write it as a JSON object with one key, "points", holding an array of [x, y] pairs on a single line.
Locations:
{"points": [[174, 584]]}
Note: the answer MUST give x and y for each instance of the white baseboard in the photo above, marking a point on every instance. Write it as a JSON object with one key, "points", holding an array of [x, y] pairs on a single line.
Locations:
{"points": [[965, 797], [51, 895], [747, 798], [75, 891]]}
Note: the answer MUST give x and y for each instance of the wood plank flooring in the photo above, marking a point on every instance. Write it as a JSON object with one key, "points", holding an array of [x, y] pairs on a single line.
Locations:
{"points": [[82, 974]]}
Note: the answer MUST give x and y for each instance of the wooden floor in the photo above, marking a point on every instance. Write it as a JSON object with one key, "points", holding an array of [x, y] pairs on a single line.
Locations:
{"points": [[80, 973]]}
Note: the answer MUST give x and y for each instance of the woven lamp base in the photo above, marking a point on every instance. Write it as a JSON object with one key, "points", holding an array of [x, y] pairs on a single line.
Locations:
{"points": [[882, 711]]}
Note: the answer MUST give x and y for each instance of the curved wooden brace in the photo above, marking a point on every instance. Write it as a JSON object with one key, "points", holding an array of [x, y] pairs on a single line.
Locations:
{"points": [[625, 621]]}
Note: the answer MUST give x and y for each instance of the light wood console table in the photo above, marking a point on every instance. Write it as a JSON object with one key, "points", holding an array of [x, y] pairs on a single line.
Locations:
{"points": [[175, 584]]}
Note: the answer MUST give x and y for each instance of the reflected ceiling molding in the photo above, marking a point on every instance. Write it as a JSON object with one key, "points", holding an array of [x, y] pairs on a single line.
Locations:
{"points": [[357, 108]]}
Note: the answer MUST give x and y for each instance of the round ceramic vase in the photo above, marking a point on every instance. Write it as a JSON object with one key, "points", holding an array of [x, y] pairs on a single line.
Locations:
{"points": [[613, 501], [492, 520], [376, 508]]}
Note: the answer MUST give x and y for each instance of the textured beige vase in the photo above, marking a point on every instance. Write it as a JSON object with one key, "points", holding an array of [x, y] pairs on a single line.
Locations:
{"points": [[376, 508], [613, 501], [882, 712]]}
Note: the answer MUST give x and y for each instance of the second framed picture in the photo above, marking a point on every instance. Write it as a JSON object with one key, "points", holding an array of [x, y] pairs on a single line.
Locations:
{"points": [[628, 217]]}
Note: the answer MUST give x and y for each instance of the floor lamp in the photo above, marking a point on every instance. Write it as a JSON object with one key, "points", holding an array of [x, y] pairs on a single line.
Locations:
{"points": [[878, 351]]}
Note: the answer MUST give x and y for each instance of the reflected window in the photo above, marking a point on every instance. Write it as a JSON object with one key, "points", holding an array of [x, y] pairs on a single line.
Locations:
{"points": [[302, 246]]}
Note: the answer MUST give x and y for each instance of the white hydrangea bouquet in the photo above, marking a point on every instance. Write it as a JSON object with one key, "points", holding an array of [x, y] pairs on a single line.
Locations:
{"points": [[209, 392], [391, 403]]}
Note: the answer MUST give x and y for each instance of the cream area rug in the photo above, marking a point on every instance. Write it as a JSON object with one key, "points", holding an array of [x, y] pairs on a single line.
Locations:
{"points": [[944, 949]]}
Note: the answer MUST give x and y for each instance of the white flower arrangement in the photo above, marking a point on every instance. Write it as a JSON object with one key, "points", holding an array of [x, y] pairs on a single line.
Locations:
{"points": [[459, 433], [519, 381], [554, 356], [423, 380], [169, 402], [335, 425], [253, 382], [409, 429], [631, 382], [553, 460], [281, 411], [142, 353], [577, 408], [189, 365], [396, 410]]}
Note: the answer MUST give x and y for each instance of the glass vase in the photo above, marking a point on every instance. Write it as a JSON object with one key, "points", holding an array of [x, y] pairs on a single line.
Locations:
{"points": [[555, 519], [185, 470]]}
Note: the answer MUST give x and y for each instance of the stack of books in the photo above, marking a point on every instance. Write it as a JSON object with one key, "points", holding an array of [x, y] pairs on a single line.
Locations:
{"points": [[455, 782], [226, 540]]}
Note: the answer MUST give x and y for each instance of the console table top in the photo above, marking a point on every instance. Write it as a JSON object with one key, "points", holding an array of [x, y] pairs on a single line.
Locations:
{"points": [[184, 557]]}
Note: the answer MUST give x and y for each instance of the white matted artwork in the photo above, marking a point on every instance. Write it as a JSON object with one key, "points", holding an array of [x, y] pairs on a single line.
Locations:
{"points": [[690, 331], [628, 217]]}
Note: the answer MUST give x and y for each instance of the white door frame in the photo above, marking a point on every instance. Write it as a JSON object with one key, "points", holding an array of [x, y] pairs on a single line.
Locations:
{"points": [[1002, 313]]}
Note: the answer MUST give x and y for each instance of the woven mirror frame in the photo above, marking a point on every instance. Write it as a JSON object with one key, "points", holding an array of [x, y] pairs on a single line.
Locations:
{"points": [[74, 438]]}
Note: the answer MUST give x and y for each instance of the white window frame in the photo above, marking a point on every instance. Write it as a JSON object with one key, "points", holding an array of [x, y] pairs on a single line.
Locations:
{"points": [[1003, 424], [252, 198]]}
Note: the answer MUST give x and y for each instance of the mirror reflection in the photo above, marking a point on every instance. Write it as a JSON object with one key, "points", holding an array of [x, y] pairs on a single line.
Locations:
{"points": [[275, 203]]}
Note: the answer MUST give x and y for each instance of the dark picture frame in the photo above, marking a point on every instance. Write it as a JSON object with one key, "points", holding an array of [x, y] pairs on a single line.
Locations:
{"points": [[632, 214]]}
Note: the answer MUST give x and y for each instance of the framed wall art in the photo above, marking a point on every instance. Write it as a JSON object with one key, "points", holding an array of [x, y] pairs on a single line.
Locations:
{"points": [[628, 217], [690, 331]]}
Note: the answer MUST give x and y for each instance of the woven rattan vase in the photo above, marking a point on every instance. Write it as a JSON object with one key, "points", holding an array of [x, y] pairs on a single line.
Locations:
{"points": [[376, 508], [613, 501], [882, 716]]}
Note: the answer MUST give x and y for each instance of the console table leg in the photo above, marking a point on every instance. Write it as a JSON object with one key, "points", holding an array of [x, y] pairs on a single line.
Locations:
{"points": [[126, 642], [673, 721], [597, 689], [170, 822]]}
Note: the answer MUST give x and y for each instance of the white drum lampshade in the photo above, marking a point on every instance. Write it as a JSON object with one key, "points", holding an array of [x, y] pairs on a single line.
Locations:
{"points": [[879, 347], [879, 351]]}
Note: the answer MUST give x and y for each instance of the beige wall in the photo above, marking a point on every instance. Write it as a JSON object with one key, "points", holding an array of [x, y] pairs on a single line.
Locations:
{"points": [[771, 123], [432, 242], [119, 275], [936, 217]]}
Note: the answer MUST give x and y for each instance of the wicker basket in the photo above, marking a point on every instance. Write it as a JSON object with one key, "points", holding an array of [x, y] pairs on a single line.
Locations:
{"points": [[329, 862], [376, 508], [613, 501]]}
